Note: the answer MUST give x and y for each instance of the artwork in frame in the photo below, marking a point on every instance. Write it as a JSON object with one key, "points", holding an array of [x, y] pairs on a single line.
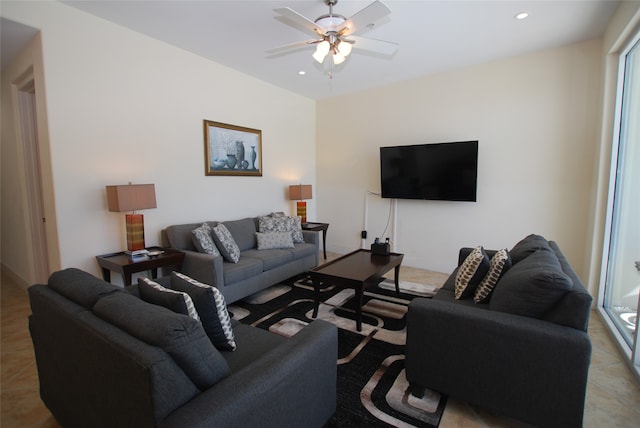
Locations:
{"points": [[232, 150]]}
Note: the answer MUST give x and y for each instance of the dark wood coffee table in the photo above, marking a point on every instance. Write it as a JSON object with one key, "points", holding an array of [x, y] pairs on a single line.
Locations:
{"points": [[358, 270]]}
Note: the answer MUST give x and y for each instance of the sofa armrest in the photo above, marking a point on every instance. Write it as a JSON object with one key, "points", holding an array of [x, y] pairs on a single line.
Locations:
{"points": [[488, 357], [311, 237], [203, 267], [293, 385]]}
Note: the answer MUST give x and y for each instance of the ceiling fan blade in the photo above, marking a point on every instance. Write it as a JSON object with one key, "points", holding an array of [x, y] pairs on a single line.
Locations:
{"points": [[302, 22], [291, 46], [373, 45], [369, 15]]}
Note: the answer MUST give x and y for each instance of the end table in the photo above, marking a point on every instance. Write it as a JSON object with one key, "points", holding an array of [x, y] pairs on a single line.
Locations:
{"points": [[319, 227], [126, 265]]}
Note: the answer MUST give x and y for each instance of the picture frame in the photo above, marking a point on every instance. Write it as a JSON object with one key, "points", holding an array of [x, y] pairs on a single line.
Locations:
{"points": [[232, 150]]}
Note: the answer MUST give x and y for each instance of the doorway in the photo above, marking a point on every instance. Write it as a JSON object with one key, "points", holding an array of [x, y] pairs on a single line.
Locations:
{"points": [[27, 133], [621, 261]]}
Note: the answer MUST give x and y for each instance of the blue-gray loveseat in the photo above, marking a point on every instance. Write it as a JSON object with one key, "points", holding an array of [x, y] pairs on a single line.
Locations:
{"points": [[107, 358]]}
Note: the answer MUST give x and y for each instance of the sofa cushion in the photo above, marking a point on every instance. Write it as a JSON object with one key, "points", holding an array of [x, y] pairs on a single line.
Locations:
{"points": [[531, 287], [274, 240], [179, 236], [243, 232], [245, 268], [253, 344], [471, 272], [528, 246], [176, 301], [80, 287], [225, 243], [202, 237], [270, 258], [182, 337], [211, 308], [499, 264]]}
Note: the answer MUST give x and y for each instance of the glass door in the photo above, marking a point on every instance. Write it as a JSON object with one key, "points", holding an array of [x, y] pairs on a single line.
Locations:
{"points": [[622, 260]]}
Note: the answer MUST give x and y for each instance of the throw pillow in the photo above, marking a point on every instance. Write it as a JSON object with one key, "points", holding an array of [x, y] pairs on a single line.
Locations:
{"points": [[225, 243], [212, 310], [277, 222], [273, 240], [499, 264], [177, 301], [471, 272], [532, 287], [202, 238], [296, 229], [528, 246]]}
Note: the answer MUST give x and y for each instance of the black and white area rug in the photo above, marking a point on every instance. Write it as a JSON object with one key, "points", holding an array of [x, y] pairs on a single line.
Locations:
{"points": [[372, 388]]}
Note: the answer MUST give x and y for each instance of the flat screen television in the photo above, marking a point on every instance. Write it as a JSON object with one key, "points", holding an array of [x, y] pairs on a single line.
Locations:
{"points": [[443, 171]]}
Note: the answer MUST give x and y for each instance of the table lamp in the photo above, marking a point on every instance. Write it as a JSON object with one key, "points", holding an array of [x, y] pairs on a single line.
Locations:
{"points": [[132, 197], [299, 192]]}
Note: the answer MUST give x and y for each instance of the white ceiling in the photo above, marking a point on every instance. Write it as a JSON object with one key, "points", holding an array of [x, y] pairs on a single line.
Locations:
{"points": [[433, 36]]}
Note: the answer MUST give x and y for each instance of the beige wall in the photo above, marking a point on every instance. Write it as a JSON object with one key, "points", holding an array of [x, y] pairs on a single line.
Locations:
{"points": [[124, 107], [535, 118]]}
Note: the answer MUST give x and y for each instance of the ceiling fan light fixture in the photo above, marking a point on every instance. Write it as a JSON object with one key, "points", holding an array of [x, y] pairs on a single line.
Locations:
{"points": [[319, 56], [321, 51], [329, 30], [344, 48]]}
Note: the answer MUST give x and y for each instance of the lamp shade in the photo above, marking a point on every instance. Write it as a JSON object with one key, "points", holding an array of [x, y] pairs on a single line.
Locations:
{"points": [[131, 197], [299, 192]]}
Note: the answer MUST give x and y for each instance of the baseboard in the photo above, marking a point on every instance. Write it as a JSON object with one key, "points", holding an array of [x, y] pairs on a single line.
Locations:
{"points": [[9, 275]]}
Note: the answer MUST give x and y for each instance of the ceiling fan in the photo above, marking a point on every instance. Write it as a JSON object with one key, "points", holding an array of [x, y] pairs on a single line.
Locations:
{"points": [[335, 34]]}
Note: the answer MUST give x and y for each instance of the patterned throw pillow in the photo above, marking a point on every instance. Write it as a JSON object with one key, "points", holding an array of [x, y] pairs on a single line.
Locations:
{"points": [[471, 272], [177, 301], [225, 243], [277, 222], [500, 263], [212, 309], [203, 240], [273, 240]]}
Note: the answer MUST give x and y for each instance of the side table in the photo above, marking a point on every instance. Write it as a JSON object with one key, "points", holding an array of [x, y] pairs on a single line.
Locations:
{"points": [[126, 265], [319, 227]]}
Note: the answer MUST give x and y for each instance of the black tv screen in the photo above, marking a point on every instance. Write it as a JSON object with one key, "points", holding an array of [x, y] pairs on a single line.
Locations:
{"points": [[443, 171]]}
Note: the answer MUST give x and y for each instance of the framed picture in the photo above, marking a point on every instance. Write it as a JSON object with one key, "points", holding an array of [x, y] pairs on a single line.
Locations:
{"points": [[232, 150]]}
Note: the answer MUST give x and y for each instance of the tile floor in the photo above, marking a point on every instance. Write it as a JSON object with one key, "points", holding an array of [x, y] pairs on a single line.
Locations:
{"points": [[613, 395]]}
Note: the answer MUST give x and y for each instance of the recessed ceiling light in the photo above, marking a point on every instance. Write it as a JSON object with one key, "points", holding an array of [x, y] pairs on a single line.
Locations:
{"points": [[522, 15], [302, 72]]}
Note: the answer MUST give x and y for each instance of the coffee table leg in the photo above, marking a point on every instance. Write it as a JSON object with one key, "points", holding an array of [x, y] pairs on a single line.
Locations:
{"points": [[397, 279], [316, 296], [359, 292]]}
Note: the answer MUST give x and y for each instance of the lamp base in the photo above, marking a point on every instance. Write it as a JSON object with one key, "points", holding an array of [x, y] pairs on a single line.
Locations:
{"points": [[302, 210], [135, 232]]}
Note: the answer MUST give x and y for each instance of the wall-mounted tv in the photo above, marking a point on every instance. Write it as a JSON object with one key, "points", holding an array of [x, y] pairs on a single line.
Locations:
{"points": [[443, 171]]}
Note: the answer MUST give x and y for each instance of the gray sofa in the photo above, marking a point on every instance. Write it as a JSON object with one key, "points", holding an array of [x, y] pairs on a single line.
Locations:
{"points": [[256, 270], [106, 358], [533, 369]]}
